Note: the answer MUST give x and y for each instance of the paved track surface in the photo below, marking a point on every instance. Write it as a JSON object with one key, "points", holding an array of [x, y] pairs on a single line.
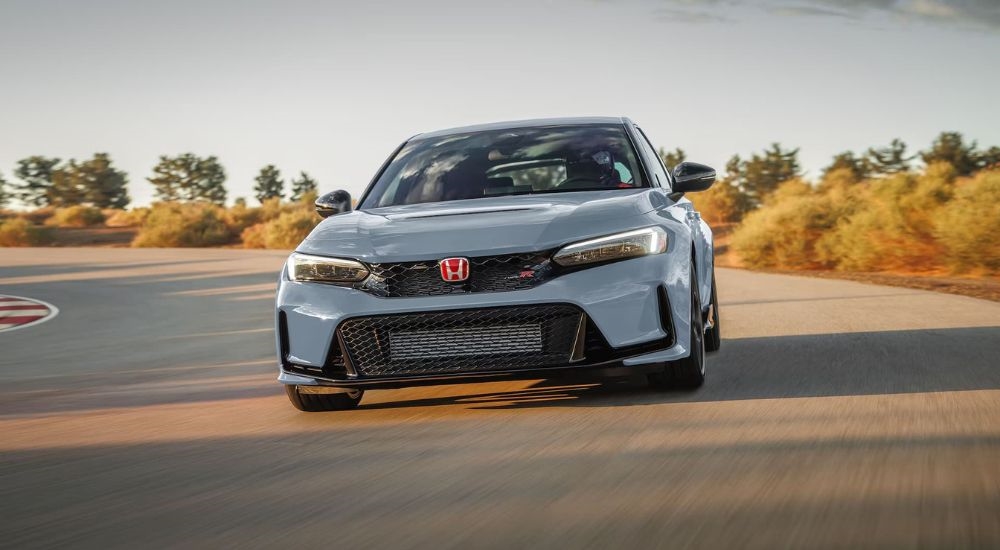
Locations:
{"points": [[146, 415]]}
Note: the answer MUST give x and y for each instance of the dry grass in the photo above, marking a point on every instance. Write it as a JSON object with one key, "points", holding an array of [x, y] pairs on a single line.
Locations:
{"points": [[76, 216], [284, 232], [986, 287], [275, 224], [184, 225], [126, 218], [21, 232]]}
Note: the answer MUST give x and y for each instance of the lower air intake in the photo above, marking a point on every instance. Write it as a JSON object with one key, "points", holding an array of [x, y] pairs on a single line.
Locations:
{"points": [[468, 340]]}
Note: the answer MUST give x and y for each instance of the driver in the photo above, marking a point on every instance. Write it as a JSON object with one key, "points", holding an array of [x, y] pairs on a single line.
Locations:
{"points": [[596, 170]]}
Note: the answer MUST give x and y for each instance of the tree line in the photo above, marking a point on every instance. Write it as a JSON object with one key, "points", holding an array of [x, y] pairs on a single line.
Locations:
{"points": [[48, 181], [748, 181]]}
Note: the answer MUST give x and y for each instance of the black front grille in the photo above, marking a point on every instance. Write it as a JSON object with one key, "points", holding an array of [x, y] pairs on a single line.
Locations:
{"points": [[469, 340], [486, 274]]}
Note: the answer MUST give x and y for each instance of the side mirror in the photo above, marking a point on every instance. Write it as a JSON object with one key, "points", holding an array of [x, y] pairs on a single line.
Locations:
{"points": [[335, 202], [691, 176]]}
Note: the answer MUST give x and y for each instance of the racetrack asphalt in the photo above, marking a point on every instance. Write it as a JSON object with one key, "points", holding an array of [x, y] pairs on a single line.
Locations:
{"points": [[146, 414]]}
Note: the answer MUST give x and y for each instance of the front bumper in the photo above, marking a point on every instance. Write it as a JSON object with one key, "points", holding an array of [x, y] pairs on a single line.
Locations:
{"points": [[633, 305], [600, 370]]}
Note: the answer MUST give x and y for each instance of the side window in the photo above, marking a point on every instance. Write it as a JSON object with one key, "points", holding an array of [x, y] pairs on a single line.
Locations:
{"points": [[653, 160]]}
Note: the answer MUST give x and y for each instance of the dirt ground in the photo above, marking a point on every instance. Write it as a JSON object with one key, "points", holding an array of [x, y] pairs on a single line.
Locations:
{"points": [[94, 236], [987, 288]]}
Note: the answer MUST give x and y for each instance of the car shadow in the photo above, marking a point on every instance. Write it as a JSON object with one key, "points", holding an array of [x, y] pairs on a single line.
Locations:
{"points": [[865, 363]]}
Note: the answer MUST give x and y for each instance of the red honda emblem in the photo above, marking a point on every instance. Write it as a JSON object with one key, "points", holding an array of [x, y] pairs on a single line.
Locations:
{"points": [[454, 270]]}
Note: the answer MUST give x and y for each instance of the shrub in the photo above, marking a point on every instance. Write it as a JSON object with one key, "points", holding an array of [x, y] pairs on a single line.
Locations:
{"points": [[782, 236], [21, 232], [172, 224], [127, 218], [76, 216], [891, 223], [240, 217], [789, 190], [869, 239], [309, 198], [284, 232], [900, 222], [784, 233], [271, 208], [38, 216], [969, 226], [254, 236], [290, 228], [721, 203]]}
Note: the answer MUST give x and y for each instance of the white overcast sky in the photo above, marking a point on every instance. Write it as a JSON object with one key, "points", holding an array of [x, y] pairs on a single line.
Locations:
{"points": [[332, 87]]}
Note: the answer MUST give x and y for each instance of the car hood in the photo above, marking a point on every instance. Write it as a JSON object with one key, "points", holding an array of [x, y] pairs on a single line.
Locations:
{"points": [[478, 227]]}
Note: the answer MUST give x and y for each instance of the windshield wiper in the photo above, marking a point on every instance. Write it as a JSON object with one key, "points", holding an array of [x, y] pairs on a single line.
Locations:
{"points": [[509, 194], [575, 189], [548, 191]]}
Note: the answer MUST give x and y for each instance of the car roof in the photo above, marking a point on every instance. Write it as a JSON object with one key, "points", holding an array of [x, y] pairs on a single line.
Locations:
{"points": [[531, 123]]}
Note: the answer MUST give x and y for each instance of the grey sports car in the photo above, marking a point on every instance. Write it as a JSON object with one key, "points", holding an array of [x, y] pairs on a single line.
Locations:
{"points": [[523, 249]]}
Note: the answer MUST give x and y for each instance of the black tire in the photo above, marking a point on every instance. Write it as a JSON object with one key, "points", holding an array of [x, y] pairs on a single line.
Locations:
{"points": [[713, 335], [689, 372], [321, 402]]}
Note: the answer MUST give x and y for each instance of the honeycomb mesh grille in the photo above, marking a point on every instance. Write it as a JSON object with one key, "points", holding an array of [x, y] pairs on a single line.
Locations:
{"points": [[471, 340], [486, 274]]}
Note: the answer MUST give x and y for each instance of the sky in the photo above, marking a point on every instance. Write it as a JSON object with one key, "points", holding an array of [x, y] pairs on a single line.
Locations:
{"points": [[332, 88]]}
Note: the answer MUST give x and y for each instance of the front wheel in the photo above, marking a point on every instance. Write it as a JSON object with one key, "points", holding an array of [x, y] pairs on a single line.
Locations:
{"points": [[689, 372], [321, 402], [713, 334]]}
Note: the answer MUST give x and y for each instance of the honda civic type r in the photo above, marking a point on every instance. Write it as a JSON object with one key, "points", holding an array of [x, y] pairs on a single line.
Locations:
{"points": [[512, 250]]}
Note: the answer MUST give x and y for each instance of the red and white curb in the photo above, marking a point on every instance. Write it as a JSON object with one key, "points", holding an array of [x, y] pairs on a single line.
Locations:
{"points": [[17, 312]]}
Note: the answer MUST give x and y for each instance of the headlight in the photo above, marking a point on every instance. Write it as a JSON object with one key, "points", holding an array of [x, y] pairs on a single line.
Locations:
{"points": [[631, 244], [304, 267]]}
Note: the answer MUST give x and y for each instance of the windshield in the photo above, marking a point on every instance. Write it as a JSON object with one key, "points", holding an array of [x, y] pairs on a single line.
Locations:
{"points": [[508, 162]]}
